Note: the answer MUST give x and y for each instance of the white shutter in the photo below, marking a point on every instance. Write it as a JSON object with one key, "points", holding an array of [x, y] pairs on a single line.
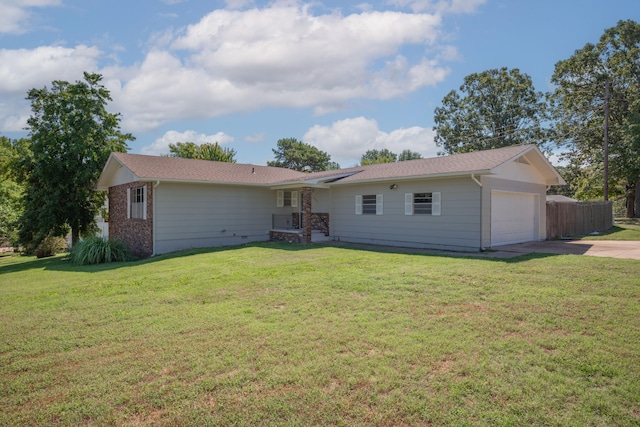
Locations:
{"points": [[280, 198], [144, 202], [128, 203], [378, 204], [408, 203], [358, 204], [435, 204], [294, 199]]}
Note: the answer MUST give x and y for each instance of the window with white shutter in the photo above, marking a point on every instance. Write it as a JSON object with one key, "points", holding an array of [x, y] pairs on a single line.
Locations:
{"points": [[369, 204], [422, 204]]}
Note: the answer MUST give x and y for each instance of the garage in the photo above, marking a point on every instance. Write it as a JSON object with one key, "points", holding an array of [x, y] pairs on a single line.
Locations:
{"points": [[514, 217]]}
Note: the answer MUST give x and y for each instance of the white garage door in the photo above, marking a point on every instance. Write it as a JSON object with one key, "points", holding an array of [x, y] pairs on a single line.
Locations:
{"points": [[513, 217]]}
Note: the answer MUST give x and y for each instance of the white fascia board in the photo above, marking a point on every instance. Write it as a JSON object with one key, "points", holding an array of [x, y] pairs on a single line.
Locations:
{"points": [[418, 177]]}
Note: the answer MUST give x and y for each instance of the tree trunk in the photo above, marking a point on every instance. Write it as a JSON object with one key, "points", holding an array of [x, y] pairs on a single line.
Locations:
{"points": [[637, 200], [75, 236], [631, 199]]}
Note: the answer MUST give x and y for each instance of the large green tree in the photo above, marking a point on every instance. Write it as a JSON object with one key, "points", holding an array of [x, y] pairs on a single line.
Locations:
{"points": [[206, 151], [600, 78], [493, 109], [72, 135], [11, 191], [374, 157], [297, 155], [409, 155]]}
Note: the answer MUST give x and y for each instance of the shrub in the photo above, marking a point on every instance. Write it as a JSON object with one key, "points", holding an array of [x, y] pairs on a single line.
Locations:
{"points": [[96, 250], [50, 246]]}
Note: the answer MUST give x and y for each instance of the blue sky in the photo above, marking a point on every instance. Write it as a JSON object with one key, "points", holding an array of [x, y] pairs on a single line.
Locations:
{"points": [[343, 76]]}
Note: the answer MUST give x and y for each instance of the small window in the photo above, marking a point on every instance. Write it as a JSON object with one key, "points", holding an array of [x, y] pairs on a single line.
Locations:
{"points": [[287, 198], [369, 204], [137, 203], [422, 204]]}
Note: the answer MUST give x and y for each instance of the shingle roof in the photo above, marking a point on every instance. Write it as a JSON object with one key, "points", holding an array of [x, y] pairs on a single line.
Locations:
{"points": [[179, 169], [467, 163], [188, 170]]}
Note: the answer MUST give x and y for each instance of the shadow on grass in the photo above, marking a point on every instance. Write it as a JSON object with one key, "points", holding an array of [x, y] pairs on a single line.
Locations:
{"points": [[62, 263]]}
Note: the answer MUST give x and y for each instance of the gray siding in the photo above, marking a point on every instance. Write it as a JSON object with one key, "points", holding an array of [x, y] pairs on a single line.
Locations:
{"points": [[196, 216], [457, 228], [490, 184]]}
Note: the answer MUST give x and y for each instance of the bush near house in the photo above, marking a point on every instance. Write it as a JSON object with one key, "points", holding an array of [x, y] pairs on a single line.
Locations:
{"points": [[98, 250], [51, 246]]}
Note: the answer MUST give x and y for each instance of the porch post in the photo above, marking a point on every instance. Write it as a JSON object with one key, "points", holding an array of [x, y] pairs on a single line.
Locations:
{"points": [[306, 215]]}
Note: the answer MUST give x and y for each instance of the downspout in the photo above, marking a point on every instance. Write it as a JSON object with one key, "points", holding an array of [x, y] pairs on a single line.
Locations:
{"points": [[473, 177], [153, 224]]}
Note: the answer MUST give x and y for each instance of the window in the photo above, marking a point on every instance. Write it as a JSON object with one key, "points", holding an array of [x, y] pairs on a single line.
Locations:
{"points": [[369, 204], [422, 204], [137, 206], [287, 198]]}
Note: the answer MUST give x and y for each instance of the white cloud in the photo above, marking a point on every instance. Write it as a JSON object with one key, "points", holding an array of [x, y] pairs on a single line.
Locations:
{"points": [[347, 140], [161, 145], [16, 14], [25, 69], [280, 56]]}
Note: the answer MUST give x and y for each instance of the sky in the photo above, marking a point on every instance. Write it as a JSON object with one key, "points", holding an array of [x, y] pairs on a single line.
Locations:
{"points": [[343, 76]]}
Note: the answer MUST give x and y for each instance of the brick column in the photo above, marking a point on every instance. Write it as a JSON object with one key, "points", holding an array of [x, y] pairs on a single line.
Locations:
{"points": [[306, 215]]}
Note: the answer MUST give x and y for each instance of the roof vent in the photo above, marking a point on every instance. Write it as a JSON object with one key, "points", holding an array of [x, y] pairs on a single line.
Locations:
{"points": [[253, 171]]}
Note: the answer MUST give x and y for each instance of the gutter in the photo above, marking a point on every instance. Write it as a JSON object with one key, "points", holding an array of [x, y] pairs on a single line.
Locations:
{"points": [[473, 177]]}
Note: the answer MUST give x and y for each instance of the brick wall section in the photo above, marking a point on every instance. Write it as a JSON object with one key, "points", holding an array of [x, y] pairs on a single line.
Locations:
{"points": [[306, 214], [319, 221], [285, 236], [137, 234]]}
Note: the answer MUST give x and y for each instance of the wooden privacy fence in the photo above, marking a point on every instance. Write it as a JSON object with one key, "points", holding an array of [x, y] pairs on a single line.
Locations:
{"points": [[579, 218]]}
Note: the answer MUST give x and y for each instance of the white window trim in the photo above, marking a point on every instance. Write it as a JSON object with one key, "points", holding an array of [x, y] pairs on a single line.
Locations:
{"points": [[280, 199], [130, 194], [379, 204], [436, 203]]}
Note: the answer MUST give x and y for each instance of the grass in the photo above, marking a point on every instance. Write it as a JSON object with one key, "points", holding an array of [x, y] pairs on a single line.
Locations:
{"points": [[620, 231], [276, 334]]}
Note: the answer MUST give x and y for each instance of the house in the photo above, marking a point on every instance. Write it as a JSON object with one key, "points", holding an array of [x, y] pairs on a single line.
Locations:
{"points": [[464, 202]]}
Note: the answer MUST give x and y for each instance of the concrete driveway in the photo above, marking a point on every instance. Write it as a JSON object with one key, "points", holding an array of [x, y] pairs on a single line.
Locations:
{"points": [[600, 248]]}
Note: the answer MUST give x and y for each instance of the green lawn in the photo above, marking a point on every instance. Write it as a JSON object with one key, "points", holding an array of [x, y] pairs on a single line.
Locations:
{"points": [[276, 334], [620, 231]]}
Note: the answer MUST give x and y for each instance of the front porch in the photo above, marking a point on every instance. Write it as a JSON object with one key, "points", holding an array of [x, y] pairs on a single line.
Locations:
{"points": [[289, 228]]}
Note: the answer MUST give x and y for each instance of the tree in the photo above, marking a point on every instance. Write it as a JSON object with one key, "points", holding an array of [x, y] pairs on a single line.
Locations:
{"points": [[495, 108], [206, 151], [595, 79], [297, 155], [409, 155], [374, 157], [11, 191], [72, 135]]}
